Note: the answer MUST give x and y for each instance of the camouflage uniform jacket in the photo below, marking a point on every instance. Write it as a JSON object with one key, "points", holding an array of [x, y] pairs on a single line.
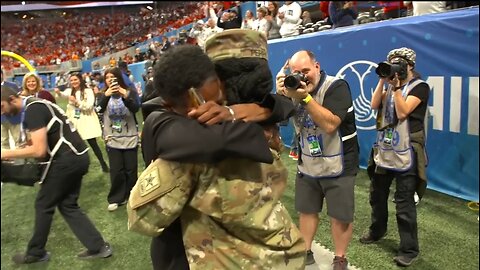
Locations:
{"points": [[231, 214]]}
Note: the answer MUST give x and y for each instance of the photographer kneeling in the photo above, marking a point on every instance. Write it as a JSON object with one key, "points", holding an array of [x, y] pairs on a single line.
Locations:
{"points": [[52, 136], [328, 158]]}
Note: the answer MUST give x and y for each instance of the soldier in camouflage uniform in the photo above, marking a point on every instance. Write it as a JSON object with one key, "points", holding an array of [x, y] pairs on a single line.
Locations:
{"points": [[230, 211]]}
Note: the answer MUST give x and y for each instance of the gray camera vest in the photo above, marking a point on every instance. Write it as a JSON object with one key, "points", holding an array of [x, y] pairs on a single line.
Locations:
{"points": [[126, 137], [328, 162], [392, 148], [63, 125]]}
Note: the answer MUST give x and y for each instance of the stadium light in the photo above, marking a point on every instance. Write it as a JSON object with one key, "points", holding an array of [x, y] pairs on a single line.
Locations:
{"points": [[149, 8], [23, 3], [24, 16]]}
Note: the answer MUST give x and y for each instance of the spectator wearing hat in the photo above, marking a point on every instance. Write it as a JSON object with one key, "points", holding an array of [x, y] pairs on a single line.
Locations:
{"points": [[399, 152]]}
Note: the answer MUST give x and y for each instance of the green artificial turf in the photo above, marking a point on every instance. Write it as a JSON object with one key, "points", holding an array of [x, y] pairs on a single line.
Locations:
{"points": [[447, 230]]}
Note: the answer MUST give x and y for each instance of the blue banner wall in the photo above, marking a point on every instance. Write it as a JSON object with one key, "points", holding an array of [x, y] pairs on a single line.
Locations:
{"points": [[447, 47]]}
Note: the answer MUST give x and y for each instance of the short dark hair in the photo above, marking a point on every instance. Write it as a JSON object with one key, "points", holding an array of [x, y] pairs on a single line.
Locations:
{"points": [[7, 92], [180, 68]]}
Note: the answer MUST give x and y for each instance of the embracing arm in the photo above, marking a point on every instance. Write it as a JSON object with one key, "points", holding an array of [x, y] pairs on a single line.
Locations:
{"points": [[186, 140]]}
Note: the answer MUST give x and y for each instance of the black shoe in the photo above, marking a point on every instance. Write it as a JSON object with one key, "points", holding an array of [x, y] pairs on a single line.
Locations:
{"points": [[23, 258], [404, 260], [368, 238], [104, 252], [340, 263], [310, 259]]}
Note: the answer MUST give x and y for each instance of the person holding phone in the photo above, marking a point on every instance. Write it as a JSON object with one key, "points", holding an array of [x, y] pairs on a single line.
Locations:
{"points": [[119, 105]]}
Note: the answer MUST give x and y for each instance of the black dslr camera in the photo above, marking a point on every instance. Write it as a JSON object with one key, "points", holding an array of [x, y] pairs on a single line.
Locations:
{"points": [[388, 70], [293, 81]]}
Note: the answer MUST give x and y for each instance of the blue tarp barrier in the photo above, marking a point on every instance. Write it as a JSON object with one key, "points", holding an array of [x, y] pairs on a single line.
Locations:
{"points": [[447, 47]]}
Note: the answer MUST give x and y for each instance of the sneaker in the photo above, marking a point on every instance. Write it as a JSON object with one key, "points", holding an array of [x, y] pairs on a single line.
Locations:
{"points": [[292, 153], [310, 259], [404, 260], [112, 207], [416, 198], [104, 252], [368, 238], [23, 258], [340, 263], [295, 156]]}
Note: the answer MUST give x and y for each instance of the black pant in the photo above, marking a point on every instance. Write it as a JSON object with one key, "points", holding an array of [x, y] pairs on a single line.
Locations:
{"points": [[96, 150], [167, 251], [123, 173], [61, 189], [406, 211]]}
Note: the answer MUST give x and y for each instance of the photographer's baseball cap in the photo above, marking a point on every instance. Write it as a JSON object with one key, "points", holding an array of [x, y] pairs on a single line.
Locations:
{"points": [[237, 43], [405, 53], [8, 91]]}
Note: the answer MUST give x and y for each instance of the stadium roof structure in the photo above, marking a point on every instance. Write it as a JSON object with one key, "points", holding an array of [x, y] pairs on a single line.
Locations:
{"points": [[16, 6]]}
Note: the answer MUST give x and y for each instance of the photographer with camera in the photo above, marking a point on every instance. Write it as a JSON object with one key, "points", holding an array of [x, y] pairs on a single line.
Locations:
{"points": [[328, 158], [53, 137], [399, 150]]}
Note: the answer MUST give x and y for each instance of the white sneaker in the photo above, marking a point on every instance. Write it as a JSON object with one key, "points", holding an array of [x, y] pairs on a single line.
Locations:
{"points": [[416, 198], [112, 207]]}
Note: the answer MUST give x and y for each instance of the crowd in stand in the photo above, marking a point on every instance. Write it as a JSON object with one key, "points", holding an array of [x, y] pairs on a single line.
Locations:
{"points": [[87, 35]]}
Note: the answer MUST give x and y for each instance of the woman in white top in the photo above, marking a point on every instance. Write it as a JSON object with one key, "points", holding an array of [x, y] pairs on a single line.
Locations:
{"points": [[261, 24], [80, 110], [248, 21]]}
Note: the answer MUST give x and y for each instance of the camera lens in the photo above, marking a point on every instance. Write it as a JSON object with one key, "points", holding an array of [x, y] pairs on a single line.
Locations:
{"points": [[293, 81], [384, 70]]}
